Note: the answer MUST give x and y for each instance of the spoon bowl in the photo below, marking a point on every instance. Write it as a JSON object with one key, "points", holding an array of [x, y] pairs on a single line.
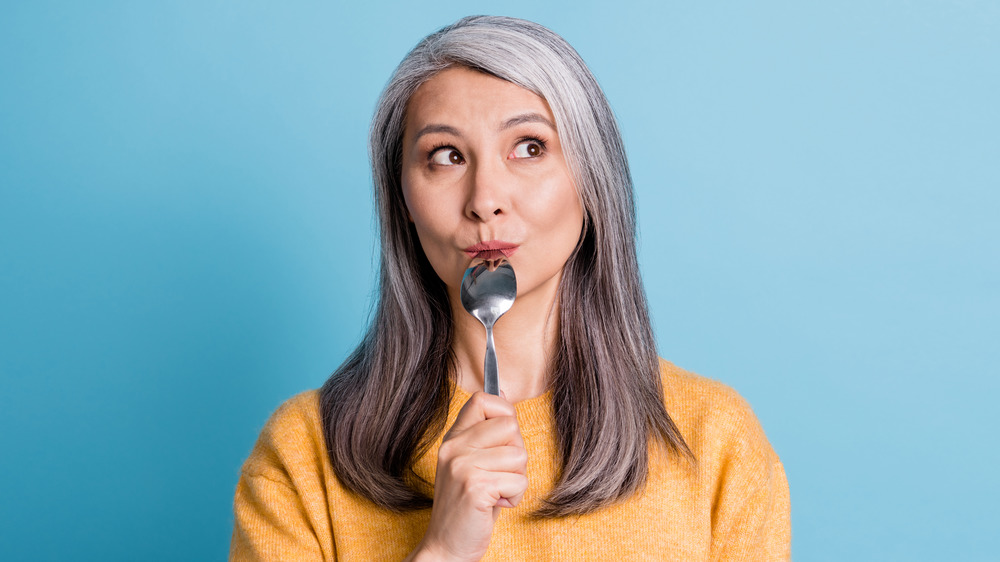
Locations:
{"points": [[487, 295]]}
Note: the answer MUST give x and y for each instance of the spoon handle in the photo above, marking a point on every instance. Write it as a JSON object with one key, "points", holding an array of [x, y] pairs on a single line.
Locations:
{"points": [[491, 377]]}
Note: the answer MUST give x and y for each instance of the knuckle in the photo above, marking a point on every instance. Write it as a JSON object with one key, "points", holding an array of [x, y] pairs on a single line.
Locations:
{"points": [[522, 482], [520, 456], [479, 400], [447, 450], [457, 468]]}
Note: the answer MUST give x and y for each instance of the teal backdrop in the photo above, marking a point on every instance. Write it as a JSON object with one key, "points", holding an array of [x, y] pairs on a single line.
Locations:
{"points": [[186, 241]]}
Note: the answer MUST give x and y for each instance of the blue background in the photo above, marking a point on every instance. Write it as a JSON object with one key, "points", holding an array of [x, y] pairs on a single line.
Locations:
{"points": [[185, 242]]}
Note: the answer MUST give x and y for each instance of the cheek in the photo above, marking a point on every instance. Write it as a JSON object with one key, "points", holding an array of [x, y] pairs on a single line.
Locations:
{"points": [[417, 205], [408, 202], [433, 230], [562, 212], [425, 202], [425, 214], [426, 224]]}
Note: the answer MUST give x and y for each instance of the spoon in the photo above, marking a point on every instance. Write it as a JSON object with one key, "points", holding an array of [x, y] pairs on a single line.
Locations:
{"points": [[487, 295]]}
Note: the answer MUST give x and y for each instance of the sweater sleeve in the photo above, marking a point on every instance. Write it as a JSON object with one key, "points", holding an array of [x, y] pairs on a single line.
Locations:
{"points": [[751, 517], [271, 522], [280, 510], [758, 528]]}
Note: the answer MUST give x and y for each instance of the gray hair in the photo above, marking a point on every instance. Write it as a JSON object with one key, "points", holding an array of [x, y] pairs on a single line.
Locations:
{"points": [[606, 386], [538, 60]]}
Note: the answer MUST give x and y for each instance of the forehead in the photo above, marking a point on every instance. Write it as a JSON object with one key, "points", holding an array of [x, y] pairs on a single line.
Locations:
{"points": [[459, 94]]}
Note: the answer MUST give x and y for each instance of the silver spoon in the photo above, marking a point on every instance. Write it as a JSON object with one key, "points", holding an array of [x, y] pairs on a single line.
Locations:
{"points": [[487, 295]]}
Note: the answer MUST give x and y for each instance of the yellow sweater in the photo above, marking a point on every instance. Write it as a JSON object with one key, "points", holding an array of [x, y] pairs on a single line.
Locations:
{"points": [[731, 505]]}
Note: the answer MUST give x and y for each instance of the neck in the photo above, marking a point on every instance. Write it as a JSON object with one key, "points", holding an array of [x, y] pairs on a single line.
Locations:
{"points": [[525, 339]]}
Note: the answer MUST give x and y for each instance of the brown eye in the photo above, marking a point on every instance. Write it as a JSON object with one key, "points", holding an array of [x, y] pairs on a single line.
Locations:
{"points": [[527, 149], [447, 157]]}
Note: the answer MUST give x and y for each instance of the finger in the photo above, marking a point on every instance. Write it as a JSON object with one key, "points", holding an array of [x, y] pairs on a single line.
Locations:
{"points": [[480, 407], [494, 432], [496, 489], [512, 501], [511, 487], [461, 463], [502, 459]]}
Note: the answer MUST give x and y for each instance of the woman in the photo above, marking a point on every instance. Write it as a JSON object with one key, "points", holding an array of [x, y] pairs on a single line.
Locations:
{"points": [[492, 137]]}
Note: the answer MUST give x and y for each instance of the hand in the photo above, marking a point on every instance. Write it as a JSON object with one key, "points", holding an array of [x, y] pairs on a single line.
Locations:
{"points": [[482, 467]]}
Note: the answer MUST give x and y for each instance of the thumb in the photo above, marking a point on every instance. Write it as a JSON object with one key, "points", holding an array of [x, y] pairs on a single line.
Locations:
{"points": [[479, 408]]}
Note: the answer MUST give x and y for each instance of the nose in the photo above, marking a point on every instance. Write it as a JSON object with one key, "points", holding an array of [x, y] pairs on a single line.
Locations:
{"points": [[488, 193]]}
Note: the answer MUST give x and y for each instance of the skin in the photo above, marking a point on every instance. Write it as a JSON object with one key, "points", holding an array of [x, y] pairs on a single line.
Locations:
{"points": [[482, 161]]}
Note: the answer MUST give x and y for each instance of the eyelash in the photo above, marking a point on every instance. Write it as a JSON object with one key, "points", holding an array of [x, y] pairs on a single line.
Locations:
{"points": [[434, 149], [537, 140]]}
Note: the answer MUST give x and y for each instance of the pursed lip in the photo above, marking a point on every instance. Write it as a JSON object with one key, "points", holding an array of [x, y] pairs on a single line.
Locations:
{"points": [[491, 250]]}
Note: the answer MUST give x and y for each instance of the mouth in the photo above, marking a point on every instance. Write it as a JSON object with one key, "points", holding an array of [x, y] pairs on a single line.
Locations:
{"points": [[490, 251]]}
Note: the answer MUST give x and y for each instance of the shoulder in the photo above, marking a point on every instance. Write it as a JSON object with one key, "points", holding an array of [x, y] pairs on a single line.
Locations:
{"points": [[718, 425], [740, 478], [694, 395], [291, 442]]}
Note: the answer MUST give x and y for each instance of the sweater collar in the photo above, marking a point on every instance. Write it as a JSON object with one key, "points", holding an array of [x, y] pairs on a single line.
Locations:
{"points": [[534, 415]]}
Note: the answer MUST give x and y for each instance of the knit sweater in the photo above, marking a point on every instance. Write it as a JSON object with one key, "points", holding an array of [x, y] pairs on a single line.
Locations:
{"points": [[731, 504]]}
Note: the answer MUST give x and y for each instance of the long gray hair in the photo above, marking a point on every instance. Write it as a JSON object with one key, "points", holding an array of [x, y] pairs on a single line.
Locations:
{"points": [[387, 403]]}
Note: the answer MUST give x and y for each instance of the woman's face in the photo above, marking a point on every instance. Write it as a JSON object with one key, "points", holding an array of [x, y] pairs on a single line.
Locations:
{"points": [[484, 176]]}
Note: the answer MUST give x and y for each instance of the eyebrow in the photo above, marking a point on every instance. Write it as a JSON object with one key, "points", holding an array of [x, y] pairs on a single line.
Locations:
{"points": [[436, 129], [526, 118], [512, 122]]}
